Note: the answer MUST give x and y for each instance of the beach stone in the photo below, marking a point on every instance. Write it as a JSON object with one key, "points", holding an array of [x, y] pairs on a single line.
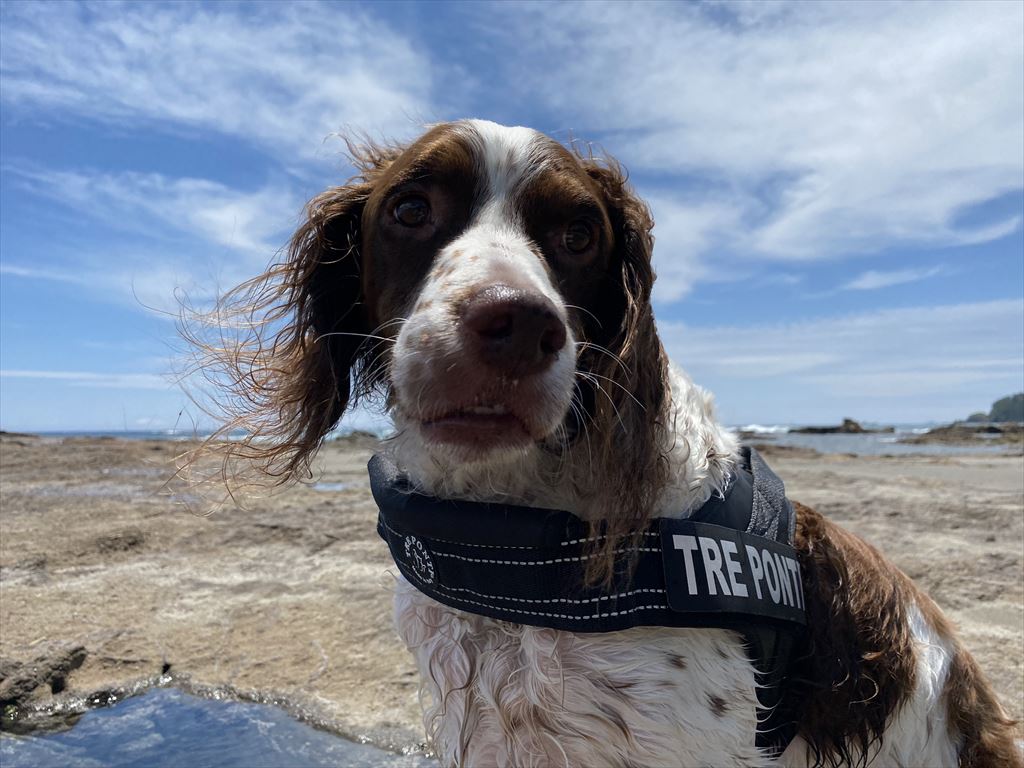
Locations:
{"points": [[19, 681]]}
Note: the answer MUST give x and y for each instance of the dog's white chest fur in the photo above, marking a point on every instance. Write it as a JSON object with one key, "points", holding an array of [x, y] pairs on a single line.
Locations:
{"points": [[501, 694], [497, 693], [507, 694]]}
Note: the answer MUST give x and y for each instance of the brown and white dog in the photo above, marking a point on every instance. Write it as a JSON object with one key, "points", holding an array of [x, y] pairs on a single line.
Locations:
{"points": [[496, 286]]}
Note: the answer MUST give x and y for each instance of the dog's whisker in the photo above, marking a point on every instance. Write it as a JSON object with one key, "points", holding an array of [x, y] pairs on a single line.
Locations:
{"points": [[617, 384], [585, 311], [349, 333], [604, 350]]}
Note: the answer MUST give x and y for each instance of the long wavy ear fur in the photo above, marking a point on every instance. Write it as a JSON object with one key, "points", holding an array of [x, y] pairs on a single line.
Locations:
{"points": [[630, 390], [288, 351]]}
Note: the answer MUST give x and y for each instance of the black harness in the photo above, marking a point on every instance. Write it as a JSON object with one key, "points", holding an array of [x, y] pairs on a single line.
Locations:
{"points": [[731, 564]]}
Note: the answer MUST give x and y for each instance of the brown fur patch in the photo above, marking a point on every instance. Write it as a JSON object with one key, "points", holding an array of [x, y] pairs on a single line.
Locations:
{"points": [[445, 271], [677, 661], [977, 718], [626, 393], [718, 705], [856, 665]]}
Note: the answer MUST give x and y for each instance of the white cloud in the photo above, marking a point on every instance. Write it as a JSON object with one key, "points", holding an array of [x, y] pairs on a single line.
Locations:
{"points": [[873, 279], [254, 223], [907, 364], [92, 379], [837, 128], [169, 235], [683, 233], [140, 278], [32, 273], [283, 75]]}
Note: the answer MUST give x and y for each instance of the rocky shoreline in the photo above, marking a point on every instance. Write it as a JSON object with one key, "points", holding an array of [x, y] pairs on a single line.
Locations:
{"points": [[963, 433], [108, 585], [848, 427]]}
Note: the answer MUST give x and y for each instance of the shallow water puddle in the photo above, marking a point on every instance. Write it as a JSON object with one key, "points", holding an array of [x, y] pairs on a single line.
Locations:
{"points": [[336, 486], [165, 727]]}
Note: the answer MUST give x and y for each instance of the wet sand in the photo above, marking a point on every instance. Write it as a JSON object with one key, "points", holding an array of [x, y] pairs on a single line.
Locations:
{"points": [[107, 584]]}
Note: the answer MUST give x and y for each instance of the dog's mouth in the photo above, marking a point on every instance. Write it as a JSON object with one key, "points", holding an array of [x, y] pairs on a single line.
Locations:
{"points": [[477, 426]]}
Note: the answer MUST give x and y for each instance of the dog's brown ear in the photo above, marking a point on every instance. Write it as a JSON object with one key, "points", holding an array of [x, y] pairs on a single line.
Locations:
{"points": [[326, 347], [632, 387], [336, 360], [291, 350]]}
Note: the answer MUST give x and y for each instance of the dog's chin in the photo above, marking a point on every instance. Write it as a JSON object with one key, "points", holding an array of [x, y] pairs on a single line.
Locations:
{"points": [[477, 432], [472, 438]]}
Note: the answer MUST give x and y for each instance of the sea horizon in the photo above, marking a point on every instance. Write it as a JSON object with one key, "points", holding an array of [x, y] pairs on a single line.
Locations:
{"points": [[873, 442]]}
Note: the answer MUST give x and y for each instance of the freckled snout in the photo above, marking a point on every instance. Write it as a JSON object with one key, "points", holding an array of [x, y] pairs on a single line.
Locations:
{"points": [[514, 332]]}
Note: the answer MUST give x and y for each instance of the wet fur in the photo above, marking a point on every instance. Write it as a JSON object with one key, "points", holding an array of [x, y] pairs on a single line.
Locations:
{"points": [[860, 663], [880, 678]]}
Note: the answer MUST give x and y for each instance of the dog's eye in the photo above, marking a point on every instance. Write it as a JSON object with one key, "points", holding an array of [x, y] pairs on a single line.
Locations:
{"points": [[578, 237], [412, 211]]}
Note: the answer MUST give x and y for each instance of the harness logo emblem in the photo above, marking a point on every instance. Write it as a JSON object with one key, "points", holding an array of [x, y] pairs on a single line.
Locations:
{"points": [[418, 559]]}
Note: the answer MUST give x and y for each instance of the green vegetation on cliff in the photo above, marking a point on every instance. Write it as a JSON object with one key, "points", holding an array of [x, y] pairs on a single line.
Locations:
{"points": [[1008, 408]]}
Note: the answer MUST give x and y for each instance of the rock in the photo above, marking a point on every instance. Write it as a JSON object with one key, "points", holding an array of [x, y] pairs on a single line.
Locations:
{"points": [[972, 434], [121, 541], [19, 681], [848, 427]]}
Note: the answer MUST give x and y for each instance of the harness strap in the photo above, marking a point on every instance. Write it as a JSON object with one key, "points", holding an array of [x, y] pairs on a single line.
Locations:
{"points": [[728, 565]]}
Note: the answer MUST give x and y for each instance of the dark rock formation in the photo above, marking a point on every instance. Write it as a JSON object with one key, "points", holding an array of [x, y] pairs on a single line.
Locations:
{"points": [[848, 427]]}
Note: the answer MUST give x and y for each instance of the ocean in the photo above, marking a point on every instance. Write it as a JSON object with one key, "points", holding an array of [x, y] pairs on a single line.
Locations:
{"points": [[866, 444]]}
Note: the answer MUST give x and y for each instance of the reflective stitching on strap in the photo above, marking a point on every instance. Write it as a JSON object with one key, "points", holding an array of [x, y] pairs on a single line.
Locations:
{"points": [[467, 544], [570, 542], [457, 543], [516, 562], [605, 615], [540, 562], [598, 538], [555, 599]]}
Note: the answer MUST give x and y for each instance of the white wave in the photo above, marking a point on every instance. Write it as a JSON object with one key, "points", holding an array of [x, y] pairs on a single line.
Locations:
{"points": [[761, 429]]}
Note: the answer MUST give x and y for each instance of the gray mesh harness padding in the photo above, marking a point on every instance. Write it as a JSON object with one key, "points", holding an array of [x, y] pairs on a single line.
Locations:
{"points": [[771, 510]]}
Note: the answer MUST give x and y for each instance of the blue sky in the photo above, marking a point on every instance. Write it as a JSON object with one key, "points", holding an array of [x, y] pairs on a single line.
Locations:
{"points": [[838, 188]]}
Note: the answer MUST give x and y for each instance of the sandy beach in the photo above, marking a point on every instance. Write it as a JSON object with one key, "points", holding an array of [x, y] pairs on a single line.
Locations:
{"points": [[108, 584]]}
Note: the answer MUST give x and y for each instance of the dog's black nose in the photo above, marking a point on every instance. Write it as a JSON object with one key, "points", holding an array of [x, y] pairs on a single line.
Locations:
{"points": [[513, 331]]}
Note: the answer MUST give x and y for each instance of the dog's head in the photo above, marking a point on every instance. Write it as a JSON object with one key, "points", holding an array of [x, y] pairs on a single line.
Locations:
{"points": [[492, 280], [494, 283]]}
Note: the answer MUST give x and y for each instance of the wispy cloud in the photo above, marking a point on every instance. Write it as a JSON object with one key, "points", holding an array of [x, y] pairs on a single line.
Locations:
{"points": [[33, 273], [254, 223], [683, 233], [142, 279], [835, 128], [887, 362], [160, 235], [283, 75], [873, 280], [93, 379]]}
